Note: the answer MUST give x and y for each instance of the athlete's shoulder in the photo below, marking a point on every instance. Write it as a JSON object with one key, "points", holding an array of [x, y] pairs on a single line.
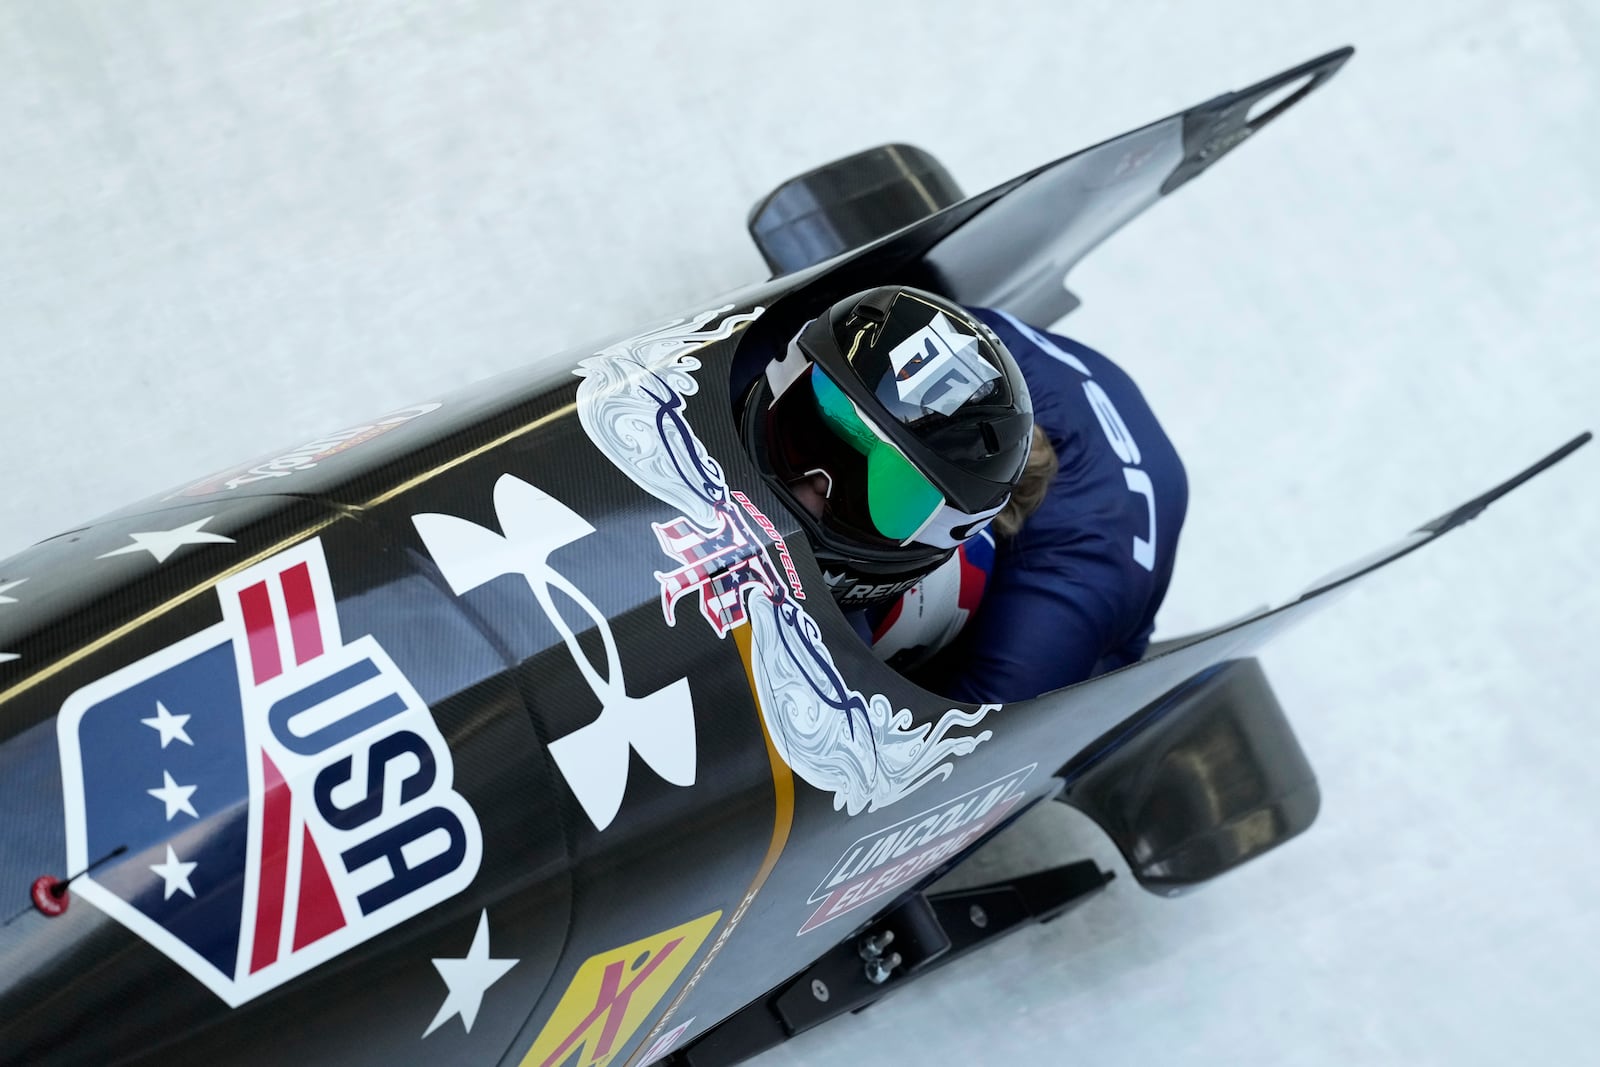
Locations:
{"points": [[1030, 343]]}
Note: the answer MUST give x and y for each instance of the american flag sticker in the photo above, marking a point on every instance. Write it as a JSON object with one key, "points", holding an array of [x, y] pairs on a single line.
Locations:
{"points": [[718, 565], [281, 795]]}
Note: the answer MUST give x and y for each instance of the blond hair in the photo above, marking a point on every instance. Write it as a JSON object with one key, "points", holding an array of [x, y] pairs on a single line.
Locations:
{"points": [[1029, 493]]}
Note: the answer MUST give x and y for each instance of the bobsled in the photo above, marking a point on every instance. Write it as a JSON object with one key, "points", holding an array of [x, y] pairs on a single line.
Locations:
{"points": [[519, 726]]}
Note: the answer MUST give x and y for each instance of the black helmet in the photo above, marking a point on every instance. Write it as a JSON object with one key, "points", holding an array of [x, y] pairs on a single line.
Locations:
{"points": [[917, 416]]}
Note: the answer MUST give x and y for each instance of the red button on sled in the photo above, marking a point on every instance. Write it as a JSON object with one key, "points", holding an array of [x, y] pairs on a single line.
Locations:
{"points": [[50, 895]]}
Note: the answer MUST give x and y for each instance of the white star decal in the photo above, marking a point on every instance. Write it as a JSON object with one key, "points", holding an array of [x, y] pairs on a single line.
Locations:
{"points": [[468, 979], [175, 874], [169, 726], [163, 543], [6, 657], [175, 797]]}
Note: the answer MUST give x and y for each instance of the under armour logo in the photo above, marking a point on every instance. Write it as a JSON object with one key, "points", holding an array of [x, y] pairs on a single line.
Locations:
{"points": [[594, 758]]}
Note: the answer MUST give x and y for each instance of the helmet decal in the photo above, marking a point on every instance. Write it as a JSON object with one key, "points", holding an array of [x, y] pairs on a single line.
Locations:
{"points": [[940, 367]]}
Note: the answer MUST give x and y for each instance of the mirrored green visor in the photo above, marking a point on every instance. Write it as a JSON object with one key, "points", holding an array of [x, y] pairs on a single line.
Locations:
{"points": [[900, 499]]}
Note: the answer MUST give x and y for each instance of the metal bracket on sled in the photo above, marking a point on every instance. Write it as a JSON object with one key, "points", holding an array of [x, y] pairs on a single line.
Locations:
{"points": [[920, 933]]}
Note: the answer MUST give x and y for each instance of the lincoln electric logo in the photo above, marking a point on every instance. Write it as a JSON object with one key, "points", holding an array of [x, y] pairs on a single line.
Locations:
{"points": [[272, 795], [897, 855]]}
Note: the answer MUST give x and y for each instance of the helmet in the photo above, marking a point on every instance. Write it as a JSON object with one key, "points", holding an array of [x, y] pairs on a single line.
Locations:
{"points": [[916, 416]]}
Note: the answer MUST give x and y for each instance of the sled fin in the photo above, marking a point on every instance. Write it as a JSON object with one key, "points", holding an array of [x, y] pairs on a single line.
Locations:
{"points": [[1015, 253], [1445, 523], [1474, 507]]}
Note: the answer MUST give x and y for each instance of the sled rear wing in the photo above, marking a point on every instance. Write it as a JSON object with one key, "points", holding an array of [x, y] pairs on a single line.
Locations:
{"points": [[1017, 251], [896, 211]]}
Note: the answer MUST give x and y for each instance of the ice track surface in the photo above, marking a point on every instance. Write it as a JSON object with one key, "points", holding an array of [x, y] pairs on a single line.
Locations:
{"points": [[228, 227]]}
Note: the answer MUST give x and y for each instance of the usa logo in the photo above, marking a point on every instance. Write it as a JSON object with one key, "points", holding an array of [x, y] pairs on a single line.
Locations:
{"points": [[279, 795]]}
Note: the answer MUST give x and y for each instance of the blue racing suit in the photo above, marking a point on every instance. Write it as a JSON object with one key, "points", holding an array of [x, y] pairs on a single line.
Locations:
{"points": [[1075, 592]]}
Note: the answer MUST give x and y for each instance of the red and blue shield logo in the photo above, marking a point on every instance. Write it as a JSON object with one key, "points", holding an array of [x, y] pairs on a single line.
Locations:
{"points": [[269, 794]]}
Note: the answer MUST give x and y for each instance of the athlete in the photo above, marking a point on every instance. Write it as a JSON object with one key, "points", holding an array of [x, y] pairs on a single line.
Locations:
{"points": [[974, 487]]}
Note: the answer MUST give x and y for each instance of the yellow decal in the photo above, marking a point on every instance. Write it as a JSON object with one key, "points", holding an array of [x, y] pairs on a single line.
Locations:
{"points": [[783, 820], [613, 994]]}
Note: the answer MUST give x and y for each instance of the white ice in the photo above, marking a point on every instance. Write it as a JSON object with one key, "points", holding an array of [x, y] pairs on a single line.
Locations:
{"points": [[229, 227]]}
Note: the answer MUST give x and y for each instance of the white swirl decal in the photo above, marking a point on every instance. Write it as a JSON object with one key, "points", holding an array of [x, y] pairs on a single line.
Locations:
{"points": [[861, 749]]}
